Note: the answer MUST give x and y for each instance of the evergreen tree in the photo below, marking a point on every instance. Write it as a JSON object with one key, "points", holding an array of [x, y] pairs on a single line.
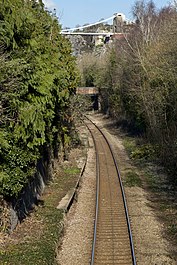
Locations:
{"points": [[37, 78]]}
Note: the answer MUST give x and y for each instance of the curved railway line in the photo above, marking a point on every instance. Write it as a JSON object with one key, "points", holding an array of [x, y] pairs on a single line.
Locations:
{"points": [[112, 243]]}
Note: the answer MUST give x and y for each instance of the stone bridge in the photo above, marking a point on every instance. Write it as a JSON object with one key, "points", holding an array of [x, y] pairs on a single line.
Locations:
{"points": [[87, 90], [91, 92]]}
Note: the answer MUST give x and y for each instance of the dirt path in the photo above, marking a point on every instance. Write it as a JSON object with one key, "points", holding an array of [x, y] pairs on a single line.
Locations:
{"points": [[151, 248], [77, 241]]}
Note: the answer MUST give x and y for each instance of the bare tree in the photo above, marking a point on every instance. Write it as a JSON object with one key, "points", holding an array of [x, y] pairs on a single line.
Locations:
{"points": [[146, 18]]}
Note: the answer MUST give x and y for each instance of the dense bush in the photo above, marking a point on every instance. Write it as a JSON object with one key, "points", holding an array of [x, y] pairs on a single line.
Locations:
{"points": [[37, 78]]}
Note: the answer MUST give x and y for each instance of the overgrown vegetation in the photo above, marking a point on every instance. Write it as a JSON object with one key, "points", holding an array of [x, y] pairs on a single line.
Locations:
{"points": [[36, 240], [138, 82], [132, 179], [37, 79]]}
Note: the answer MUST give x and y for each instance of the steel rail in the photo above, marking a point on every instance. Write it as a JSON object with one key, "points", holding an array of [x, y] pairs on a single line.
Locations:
{"points": [[97, 198], [123, 196]]}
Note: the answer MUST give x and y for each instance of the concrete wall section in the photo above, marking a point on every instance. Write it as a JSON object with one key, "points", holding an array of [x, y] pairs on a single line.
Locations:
{"points": [[20, 207]]}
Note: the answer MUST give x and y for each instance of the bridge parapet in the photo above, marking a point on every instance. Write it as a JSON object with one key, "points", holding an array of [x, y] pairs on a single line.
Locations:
{"points": [[87, 90]]}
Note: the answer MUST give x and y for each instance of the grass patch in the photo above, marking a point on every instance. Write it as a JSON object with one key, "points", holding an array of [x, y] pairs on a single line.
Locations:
{"points": [[35, 241], [143, 156], [139, 152], [37, 250], [132, 179], [130, 145], [151, 180], [161, 191], [144, 152], [72, 170]]}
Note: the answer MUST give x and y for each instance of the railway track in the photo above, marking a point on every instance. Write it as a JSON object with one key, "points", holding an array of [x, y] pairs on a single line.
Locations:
{"points": [[112, 242]]}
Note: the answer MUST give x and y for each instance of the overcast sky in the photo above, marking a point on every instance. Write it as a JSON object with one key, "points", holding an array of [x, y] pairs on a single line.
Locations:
{"points": [[80, 12]]}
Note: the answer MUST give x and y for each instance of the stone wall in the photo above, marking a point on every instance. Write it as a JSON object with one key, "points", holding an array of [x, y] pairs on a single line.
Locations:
{"points": [[19, 208]]}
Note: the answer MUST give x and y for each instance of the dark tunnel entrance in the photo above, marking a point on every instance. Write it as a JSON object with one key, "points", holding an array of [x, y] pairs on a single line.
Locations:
{"points": [[94, 99]]}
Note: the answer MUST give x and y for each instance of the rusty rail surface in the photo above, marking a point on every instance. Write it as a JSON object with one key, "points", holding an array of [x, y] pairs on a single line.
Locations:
{"points": [[112, 243]]}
